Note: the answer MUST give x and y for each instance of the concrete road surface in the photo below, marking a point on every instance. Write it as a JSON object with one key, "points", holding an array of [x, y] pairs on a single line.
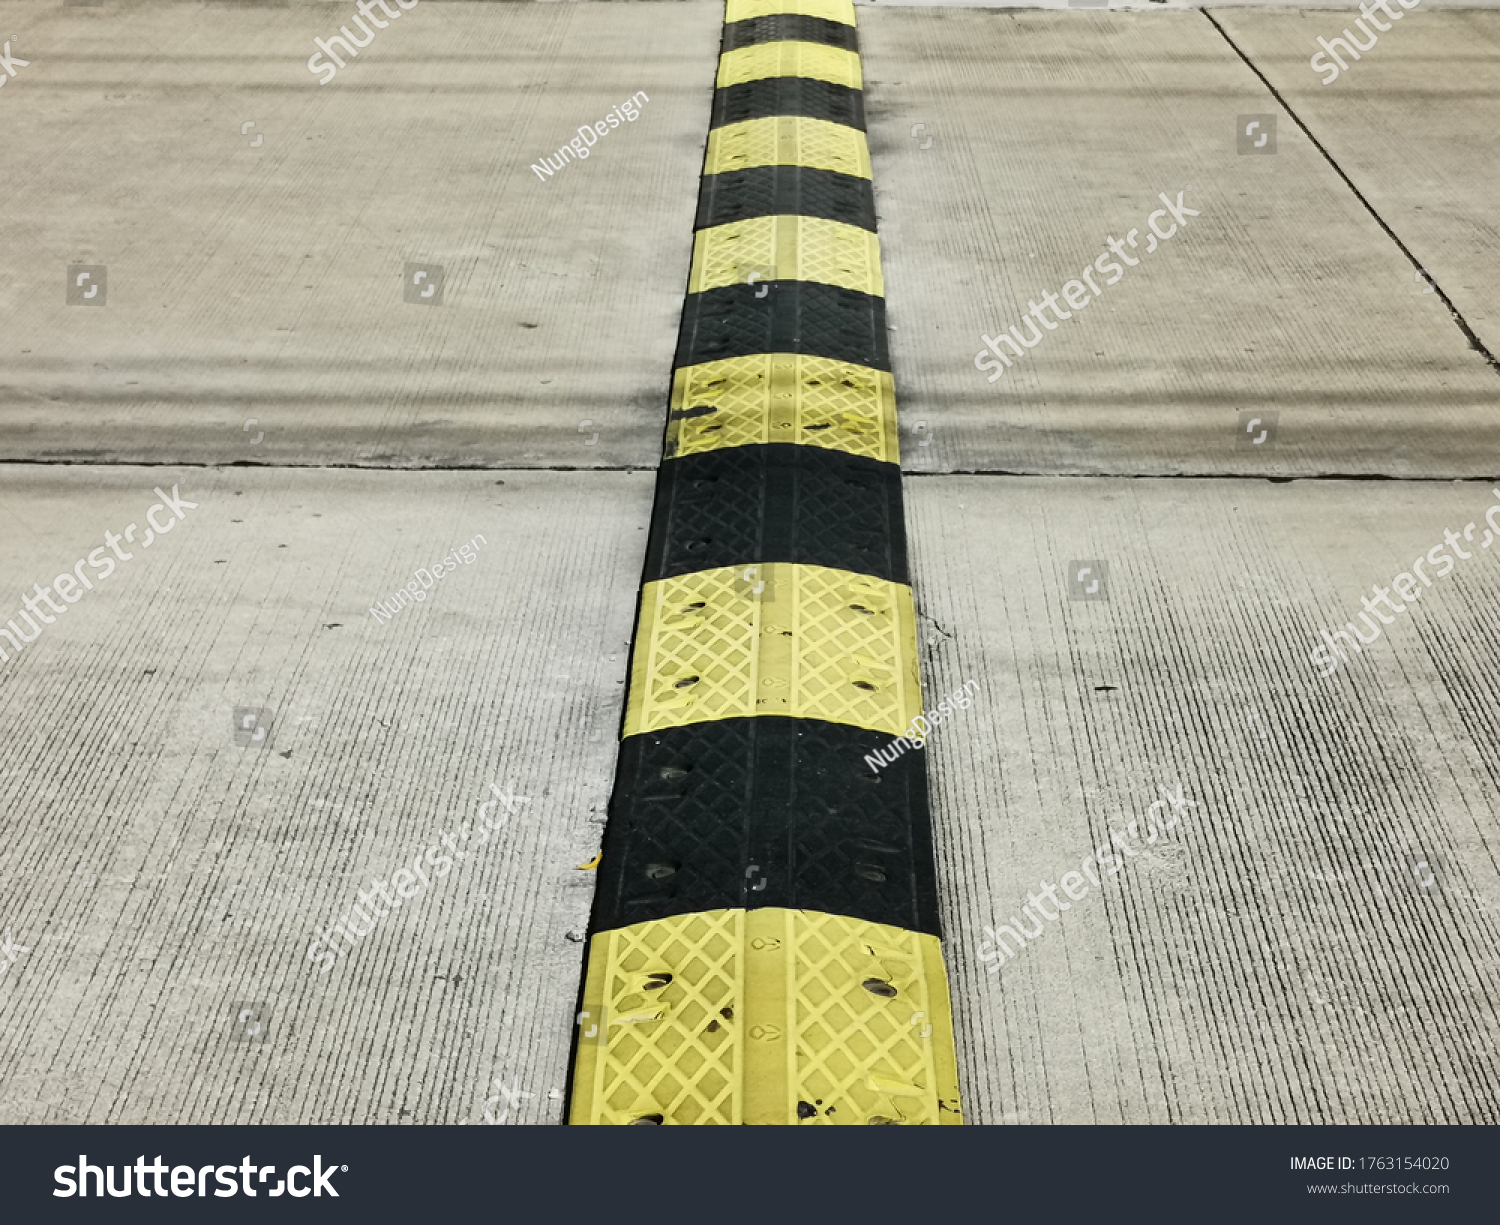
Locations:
{"points": [[1312, 939]]}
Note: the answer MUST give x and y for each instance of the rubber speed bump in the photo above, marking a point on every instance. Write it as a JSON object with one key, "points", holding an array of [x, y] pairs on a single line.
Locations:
{"points": [[788, 140], [783, 191], [736, 11], [800, 505], [764, 945], [802, 317], [783, 397], [788, 59], [787, 248], [765, 1016], [804, 96], [747, 813], [788, 27], [774, 639]]}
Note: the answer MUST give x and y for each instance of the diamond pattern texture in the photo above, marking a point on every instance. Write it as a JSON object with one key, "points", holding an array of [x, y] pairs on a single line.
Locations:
{"points": [[831, 645], [829, 10], [789, 96], [673, 1050], [797, 248], [767, 812], [790, 59], [767, 1017], [777, 503], [783, 397], [801, 317], [788, 27], [788, 140]]}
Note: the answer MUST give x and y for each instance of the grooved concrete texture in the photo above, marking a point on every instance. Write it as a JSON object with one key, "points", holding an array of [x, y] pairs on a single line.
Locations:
{"points": [[1052, 132], [1314, 941], [160, 874], [1415, 122], [267, 282], [1282, 955]]}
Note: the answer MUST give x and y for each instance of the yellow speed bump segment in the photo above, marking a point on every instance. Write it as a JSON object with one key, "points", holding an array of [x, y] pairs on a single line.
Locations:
{"points": [[790, 59], [767, 1016], [788, 140], [787, 248], [828, 10], [776, 638], [783, 397]]}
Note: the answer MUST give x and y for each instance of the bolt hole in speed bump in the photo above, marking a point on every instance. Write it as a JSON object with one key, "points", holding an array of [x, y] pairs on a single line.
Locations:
{"points": [[764, 945]]}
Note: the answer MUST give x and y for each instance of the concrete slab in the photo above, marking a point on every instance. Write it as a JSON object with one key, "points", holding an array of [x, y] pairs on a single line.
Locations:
{"points": [[1315, 941], [164, 880], [1415, 123], [266, 282], [1046, 134]]}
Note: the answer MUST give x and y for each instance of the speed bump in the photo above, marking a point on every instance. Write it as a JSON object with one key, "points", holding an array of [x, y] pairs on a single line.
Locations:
{"points": [[829, 10], [765, 1016], [799, 191], [788, 27], [781, 503], [802, 317], [767, 811], [790, 59], [764, 945], [788, 248], [783, 397], [788, 140], [769, 638], [804, 96]]}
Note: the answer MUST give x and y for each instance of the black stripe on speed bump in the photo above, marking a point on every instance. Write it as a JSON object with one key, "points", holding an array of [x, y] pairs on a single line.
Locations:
{"points": [[789, 27], [777, 502], [769, 811], [804, 96], [785, 191], [804, 317]]}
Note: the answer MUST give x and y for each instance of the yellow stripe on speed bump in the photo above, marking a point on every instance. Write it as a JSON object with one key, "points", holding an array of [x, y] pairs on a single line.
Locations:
{"points": [[790, 59], [774, 638], [829, 10], [765, 1017], [783, 397], [788, 140], [786, 248]]}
